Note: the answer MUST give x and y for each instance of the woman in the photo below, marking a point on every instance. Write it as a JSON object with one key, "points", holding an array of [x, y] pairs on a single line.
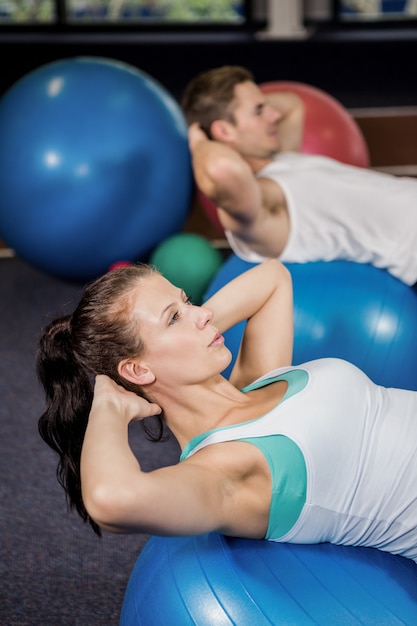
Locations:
{"points": [[305, 454]]}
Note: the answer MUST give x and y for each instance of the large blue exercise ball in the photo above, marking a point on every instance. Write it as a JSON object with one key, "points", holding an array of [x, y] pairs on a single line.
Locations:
{"points": [[94, 166], [348, 310], [212, 580]]}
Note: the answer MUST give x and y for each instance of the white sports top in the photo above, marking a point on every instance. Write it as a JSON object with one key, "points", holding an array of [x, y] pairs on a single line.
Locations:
{"points": [[358, 442], [338, 211]]}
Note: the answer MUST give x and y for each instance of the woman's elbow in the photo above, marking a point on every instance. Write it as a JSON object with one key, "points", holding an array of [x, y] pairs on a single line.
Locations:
{"points": [[107, 506], [281, 271]]}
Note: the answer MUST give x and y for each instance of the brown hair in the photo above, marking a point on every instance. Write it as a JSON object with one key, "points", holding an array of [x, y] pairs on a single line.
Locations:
{"points": [[209, 96], [100, 333]]}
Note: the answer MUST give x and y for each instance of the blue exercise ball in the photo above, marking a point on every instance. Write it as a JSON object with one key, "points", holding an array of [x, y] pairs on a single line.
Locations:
{"points": [[94, 166], [347, 310], [212, 580]]}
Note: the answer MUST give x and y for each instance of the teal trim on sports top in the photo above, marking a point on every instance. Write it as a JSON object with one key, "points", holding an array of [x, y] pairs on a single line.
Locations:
{"points": [[289, 481], [284, 457], [296, 379]]}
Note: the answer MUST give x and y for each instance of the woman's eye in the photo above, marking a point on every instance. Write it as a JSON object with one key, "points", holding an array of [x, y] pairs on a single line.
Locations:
{"points": [[177, 314], [174, 318]]}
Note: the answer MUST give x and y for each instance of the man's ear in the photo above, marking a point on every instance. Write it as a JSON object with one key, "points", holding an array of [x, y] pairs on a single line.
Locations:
{"points": [[222, 131], [135, 372]]}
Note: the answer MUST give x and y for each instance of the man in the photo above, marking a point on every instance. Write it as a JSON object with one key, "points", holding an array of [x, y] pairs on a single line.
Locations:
{"points": [[273, 201]]}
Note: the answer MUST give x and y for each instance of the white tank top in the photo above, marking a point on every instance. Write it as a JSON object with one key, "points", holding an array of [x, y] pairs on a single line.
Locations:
{"points": [[359, 444], [338, 211]]}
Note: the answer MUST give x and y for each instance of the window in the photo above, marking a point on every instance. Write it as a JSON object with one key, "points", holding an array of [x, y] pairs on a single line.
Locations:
{"points": [[360, 12], [376, 10], [146, 14], [27, 12]]}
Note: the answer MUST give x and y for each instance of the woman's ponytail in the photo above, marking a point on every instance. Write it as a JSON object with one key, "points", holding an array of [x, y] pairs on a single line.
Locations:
{"points": [[69, 395], [102, 331]]}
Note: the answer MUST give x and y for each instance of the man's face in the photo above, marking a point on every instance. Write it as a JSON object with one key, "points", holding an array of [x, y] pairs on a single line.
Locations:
{"points": [[254, 134]]}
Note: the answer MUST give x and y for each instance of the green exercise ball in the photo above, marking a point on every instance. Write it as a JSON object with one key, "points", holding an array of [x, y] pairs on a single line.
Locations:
{"points": [[189, 261]]}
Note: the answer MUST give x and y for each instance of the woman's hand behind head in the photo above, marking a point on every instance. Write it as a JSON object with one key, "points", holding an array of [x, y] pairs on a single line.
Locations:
{"points": [[108, 395]]}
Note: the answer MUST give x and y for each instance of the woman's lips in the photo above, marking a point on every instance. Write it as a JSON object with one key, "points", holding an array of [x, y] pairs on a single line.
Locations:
{"points": [[218, 339]]}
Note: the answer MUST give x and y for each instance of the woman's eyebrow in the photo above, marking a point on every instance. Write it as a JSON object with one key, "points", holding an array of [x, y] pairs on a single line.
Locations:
{"points": [[183, 295]]}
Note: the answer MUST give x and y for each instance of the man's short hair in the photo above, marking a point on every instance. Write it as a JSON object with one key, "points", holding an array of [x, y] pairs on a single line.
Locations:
{"points": [[208, 97]]}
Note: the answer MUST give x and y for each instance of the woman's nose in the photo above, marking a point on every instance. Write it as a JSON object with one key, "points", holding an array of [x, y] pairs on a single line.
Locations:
{"points": [[204, 316]]}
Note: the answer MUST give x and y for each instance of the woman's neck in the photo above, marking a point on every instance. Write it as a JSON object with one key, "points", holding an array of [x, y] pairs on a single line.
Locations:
{"points": [[201, 408], [196, 409]]}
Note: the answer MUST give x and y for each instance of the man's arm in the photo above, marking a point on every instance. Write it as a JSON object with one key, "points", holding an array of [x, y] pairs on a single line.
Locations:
{"points": [[224, 177], [248, 207], [291, 123]]}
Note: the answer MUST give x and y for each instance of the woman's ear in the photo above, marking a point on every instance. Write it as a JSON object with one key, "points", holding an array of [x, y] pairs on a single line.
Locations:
{"points": [[135, 372]]}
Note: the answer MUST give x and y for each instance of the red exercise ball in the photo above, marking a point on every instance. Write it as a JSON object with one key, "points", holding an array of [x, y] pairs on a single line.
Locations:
{"points": [[118, 264], [329, 129], [210, 210]]}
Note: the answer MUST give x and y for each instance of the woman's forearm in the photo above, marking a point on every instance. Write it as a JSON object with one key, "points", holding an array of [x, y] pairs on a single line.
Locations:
{"points": [[108, 465], [250, 292], [263, 298]]}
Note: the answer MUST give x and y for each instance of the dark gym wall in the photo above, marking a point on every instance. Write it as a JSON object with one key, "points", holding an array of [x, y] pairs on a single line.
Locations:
{"points": [[361, 68]]}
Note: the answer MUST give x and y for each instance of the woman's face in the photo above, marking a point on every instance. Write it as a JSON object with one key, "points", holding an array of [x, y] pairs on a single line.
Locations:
{"points": [[181, 344]]}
